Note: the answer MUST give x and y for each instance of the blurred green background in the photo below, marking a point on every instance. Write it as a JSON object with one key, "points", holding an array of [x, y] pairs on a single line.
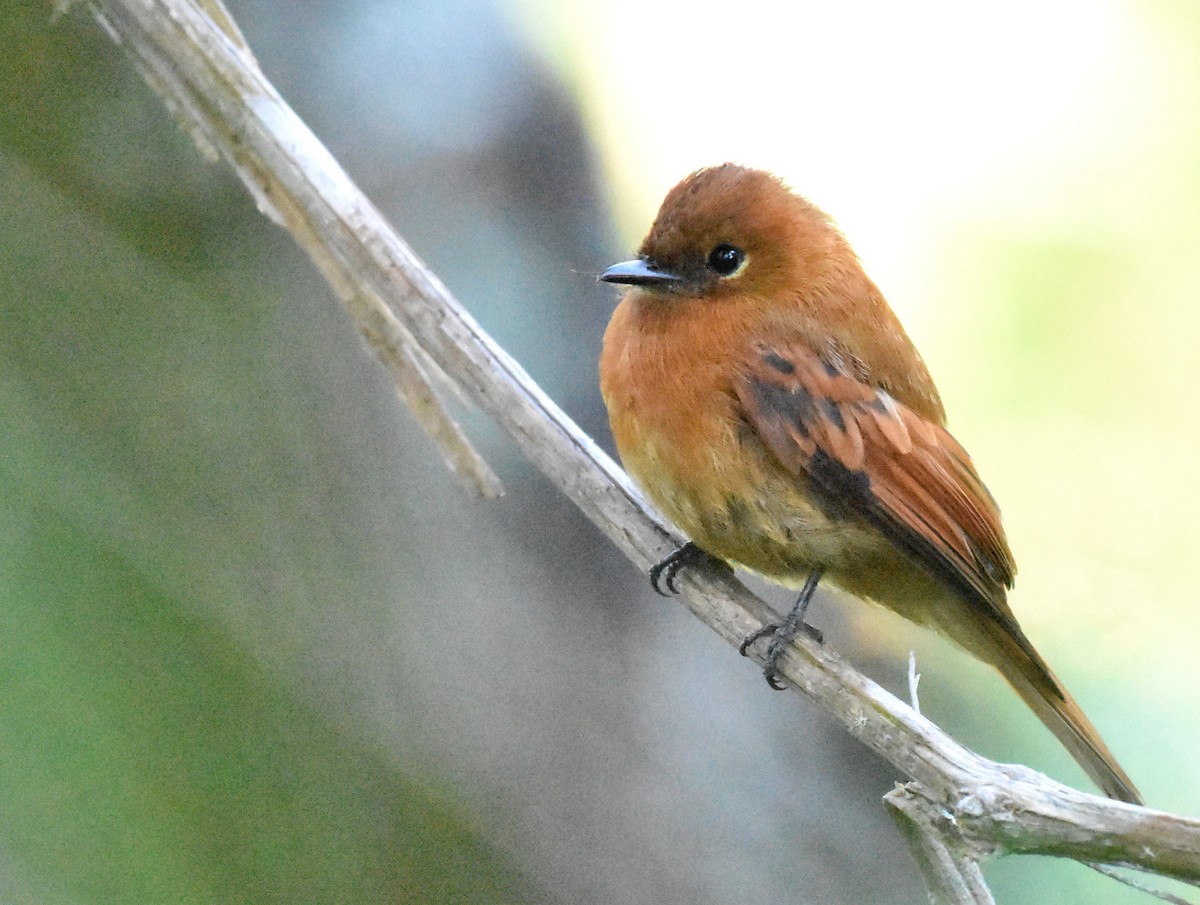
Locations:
{"points": [[255, 644]]}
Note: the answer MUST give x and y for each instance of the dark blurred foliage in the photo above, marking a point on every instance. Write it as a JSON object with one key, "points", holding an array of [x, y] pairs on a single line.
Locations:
{"points": [[256, 644]]}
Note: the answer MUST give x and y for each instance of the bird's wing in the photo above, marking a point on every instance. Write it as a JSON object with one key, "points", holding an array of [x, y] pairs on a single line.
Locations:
{"points": [[868, 456]]}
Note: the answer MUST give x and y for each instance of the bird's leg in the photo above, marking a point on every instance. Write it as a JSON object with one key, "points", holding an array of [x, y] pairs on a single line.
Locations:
{"points": [[663, 573], [783, 633]]}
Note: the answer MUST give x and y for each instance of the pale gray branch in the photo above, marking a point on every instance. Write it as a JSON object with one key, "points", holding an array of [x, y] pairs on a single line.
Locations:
{"points": [[215, 87], [949, 862]]}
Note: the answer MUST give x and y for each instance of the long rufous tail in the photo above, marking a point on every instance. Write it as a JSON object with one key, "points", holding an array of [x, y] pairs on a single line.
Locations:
{"points": [[1039, 688]]}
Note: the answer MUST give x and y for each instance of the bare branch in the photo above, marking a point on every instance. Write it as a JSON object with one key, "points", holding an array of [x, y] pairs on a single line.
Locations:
{"points": [[214, 86], [949, 861]]}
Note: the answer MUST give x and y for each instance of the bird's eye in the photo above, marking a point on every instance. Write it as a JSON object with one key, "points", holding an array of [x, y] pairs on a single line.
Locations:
{"points": [[725, 259]]}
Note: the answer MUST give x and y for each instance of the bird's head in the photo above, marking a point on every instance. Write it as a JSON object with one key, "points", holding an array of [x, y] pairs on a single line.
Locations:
{"points": [[729, 230]]}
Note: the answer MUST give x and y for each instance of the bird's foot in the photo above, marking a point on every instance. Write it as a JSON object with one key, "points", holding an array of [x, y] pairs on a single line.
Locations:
{"points": [[662, 574], [780, 640], [782, 634]]}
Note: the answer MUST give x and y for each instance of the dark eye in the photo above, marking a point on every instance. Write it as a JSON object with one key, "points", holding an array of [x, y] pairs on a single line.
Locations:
{"points": [[725, 259]]}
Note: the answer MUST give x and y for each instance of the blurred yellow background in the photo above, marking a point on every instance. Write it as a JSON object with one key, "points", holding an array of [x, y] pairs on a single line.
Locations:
{"points": [[255, 644]]}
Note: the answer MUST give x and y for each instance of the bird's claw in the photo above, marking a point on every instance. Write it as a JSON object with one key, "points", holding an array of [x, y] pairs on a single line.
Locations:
{"points": [[663, 573], [762, 632], [775, 651]]}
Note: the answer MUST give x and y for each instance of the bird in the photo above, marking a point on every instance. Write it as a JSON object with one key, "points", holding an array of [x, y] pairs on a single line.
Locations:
{"points": [[767, 400]]}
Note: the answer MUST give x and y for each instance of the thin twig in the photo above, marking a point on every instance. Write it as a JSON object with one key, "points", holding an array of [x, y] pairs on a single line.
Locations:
{"points": [[914, 679], [1113, 874]]}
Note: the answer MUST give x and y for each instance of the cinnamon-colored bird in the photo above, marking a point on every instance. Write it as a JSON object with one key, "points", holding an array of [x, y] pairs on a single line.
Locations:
{"points": [[767, 400]]}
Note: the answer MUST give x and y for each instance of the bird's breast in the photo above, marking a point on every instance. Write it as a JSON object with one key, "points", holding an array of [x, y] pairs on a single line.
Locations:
{"points": [[669, 385]]}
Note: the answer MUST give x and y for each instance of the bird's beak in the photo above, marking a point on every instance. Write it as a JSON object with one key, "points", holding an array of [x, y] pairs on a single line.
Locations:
{"points": [[639, 273]]}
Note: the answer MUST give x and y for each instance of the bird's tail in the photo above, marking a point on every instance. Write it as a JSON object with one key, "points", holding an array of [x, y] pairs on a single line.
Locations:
{"points": [[1041, 690]]}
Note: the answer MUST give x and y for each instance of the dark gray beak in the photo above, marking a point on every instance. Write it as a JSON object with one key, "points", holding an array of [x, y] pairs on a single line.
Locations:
{"points": [[638, 273]]}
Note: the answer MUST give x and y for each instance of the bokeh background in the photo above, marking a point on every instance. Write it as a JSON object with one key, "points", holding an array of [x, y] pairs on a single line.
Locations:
{"points": [[257, 646]]}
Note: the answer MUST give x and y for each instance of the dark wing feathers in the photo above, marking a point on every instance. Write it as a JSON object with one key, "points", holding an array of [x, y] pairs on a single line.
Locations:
{"points": [[869, 456]]}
